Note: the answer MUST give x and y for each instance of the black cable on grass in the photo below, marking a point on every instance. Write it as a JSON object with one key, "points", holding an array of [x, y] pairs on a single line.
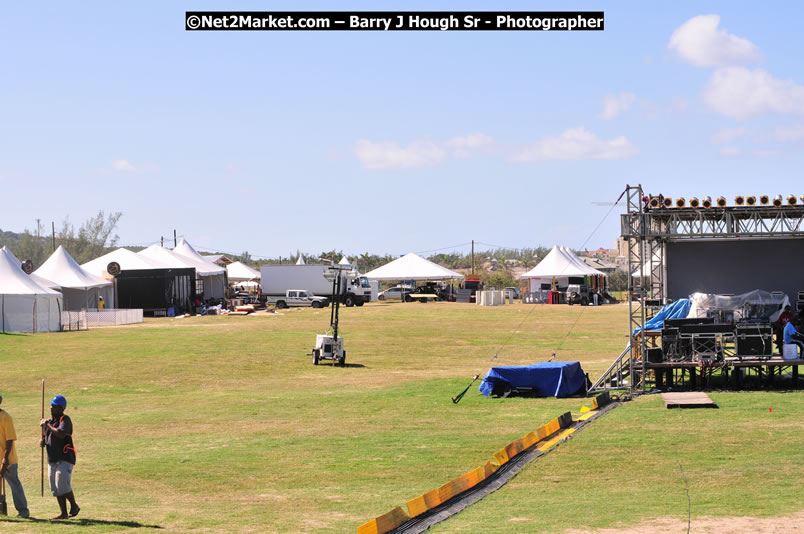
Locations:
{"points": [[689, 502], [684, 478], [527, 315]]}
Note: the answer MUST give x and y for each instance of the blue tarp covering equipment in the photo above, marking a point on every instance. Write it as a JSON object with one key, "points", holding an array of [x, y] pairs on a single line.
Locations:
{"points": [[546, 379], [675, 310]]}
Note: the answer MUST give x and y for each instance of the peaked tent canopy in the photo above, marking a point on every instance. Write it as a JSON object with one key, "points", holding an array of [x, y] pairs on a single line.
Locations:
{"points": [[559, 262], [560, 265], [300, 261], [25, 305], [412, 267], [240, 272], [204, 266], [128, 261], [344, 261], [213, 276], [579, 262], [80, 288]]}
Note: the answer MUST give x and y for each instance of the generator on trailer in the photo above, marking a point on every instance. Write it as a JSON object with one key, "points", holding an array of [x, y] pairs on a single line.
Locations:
{"points": [[330, 347]]}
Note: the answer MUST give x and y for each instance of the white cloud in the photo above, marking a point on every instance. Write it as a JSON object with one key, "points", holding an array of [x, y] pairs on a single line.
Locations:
{"points": [[476, 140], [123, 165], [392, 156], [699, 42], [573, 144], [464, 146], [727, 135], [789, 134], [576, 144], [742, 93], [613, 105], [767, 153], [729, 152]]}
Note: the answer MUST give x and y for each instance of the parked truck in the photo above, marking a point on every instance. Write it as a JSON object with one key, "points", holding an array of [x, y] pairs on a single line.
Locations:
{"points": [[276, 280], [294, 298]]}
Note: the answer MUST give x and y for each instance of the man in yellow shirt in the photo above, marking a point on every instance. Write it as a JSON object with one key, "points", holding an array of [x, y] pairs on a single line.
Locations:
{"points": [[8, 468]]}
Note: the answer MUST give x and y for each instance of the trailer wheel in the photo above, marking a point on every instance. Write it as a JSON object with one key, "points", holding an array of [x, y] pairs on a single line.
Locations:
{"points": [[349, 301], [316, 304], [315, 356], [281, 304], [342, 359]]}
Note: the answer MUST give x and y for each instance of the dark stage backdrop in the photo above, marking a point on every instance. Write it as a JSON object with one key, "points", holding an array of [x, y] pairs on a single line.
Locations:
{"points": [[735, 267]]}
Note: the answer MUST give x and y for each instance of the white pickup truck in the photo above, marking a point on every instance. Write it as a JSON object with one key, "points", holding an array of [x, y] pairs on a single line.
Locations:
{"points": [[297, 298]]}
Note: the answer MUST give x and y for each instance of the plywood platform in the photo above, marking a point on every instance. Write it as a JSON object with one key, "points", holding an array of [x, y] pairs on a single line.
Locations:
{"points": [[688, 399]]}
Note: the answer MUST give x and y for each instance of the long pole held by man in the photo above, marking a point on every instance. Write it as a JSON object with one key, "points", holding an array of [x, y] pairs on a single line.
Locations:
{"points": [[42, 463]]}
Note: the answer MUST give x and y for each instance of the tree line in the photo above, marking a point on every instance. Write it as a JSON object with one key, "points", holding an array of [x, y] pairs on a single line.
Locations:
{"points": [[96, 236]]}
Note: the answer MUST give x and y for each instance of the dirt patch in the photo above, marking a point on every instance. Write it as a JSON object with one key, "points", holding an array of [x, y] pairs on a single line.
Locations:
{"points": [[709, 525]]}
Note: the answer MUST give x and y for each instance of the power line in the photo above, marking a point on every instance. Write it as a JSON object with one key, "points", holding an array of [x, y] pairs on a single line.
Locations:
{"points": [[444, 248], [511, 335]]}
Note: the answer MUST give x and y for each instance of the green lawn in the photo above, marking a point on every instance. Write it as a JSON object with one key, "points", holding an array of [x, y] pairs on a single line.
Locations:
{"points": [[222, 424]]}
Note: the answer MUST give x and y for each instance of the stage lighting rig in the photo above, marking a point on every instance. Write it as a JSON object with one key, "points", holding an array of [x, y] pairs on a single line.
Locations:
{"points": [[777, 200], [764, 200], [751, 200], [791, 200], [739, 200], [680, 202], [694, 203], [707, 202], [721, 202]]}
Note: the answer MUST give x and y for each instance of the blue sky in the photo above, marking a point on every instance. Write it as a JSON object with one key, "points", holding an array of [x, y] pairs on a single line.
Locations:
{"points": [[390, 142]]}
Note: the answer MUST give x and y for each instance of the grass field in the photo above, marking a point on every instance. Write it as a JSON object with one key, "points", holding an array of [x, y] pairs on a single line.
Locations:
{"points": [[222, 424]]}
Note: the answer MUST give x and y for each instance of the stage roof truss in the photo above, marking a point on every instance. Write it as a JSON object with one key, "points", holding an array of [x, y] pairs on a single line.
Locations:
{"points": [[737, 222]]}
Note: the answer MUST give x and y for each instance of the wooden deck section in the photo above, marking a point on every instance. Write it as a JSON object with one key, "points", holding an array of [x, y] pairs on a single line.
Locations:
{"points": [[688, 399]]}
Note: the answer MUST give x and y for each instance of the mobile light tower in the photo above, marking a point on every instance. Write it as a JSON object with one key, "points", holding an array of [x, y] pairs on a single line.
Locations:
{"points": [[330, 347]]}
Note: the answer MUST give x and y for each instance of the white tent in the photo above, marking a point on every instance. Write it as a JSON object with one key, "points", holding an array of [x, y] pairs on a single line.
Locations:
{"points": [[25, 306], [240, 272], [126, 259], [213, 275], [300, 261], [80, 288], [582, 265], [345, 261], [412, 267], [561, 264]]}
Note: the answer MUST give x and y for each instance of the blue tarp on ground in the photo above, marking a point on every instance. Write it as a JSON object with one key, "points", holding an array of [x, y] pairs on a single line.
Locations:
{"points": [[548, 379], [675, 310]]}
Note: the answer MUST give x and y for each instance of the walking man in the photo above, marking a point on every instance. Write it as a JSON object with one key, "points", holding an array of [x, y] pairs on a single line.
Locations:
{"points": [[9, 467], [58, 438]]}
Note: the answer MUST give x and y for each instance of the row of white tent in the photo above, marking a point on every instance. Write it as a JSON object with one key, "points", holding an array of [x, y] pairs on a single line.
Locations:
{"points": [[560, 263], [34, 303]]}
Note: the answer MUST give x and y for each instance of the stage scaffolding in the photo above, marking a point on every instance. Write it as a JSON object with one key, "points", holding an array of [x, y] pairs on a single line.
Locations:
{"points": [[647, 230]]}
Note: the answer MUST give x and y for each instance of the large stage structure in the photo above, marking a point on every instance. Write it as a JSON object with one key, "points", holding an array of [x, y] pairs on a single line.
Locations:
{"points": [[709, 247]]}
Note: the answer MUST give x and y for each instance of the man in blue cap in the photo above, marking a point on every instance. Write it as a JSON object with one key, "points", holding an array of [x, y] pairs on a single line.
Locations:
{"points": [[58, 438], [8, 464]]}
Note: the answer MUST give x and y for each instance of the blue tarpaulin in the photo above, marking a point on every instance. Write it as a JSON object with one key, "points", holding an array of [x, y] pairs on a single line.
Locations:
{"points": [[675, 310], [547, 379]]}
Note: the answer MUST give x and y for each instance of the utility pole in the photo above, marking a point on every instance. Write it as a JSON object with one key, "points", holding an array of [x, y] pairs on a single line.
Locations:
{"points": [[161, 241], [473, 256], [53, 228], [175, 242]]}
